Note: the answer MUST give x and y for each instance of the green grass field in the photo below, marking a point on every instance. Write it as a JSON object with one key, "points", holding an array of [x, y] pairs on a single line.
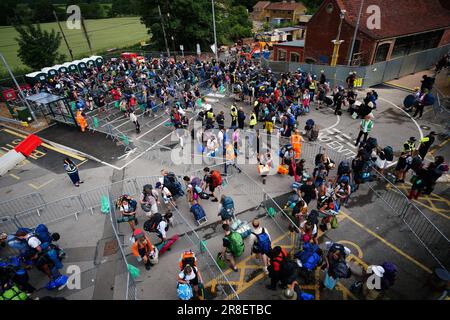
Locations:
{"points": [[104, 34]]}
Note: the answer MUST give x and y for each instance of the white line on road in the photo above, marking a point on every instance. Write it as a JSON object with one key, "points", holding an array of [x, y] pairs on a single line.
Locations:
{"points": [[351, 145], [339, 138], [347, 136], [155, 127]]}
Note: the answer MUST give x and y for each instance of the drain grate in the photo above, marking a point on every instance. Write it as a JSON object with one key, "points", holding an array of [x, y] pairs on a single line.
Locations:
{"points": [[110, 247]]}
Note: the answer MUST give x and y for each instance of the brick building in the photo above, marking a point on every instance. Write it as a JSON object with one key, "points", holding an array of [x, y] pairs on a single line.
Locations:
{"points": [[291, 51], [406, 27], [278, 12]]}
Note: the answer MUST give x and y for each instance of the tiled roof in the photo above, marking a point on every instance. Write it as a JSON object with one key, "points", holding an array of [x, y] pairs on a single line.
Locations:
{"points": [[291, 6], [398, 17], [261, 5]]}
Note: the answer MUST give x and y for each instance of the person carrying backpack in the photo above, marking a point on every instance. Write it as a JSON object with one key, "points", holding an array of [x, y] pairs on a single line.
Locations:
{"points": [[163, 227], [212, 179], [335, 265], [262, 244], [191, 276], [127, 207], [149, 200], [233, 246], [226, 209], [143, 249], [280, 269]]}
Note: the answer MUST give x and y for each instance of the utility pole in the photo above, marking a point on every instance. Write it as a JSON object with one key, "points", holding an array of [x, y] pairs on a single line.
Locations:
{"points": [[64, 36], [354, 35], [172, 38], [214, 27], [164, 31], [86, 34], [18, 87]]}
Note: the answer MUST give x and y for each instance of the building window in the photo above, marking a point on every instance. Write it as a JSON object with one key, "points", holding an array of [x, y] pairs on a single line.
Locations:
{"points": [[281, 55], [382, 52], [416, 43], [295, 57]]}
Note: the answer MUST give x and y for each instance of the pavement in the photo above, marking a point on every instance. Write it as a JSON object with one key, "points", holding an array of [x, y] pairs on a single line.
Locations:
{"points": [[366, 226]]}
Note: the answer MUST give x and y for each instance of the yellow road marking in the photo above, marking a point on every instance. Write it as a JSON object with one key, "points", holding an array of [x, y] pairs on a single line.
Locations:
{"points": [[358, 248], [242, 266], [429, 198], [41, 186], [67, 153], [390, 245], [14, 176], [82, 162]]}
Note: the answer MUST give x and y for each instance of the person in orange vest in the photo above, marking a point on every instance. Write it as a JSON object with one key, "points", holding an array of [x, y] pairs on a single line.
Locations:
{"points": [[81, 121], [296, 142], [142, 248]]}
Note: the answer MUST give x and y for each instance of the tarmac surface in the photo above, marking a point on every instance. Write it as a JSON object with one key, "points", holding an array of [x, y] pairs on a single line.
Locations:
{"points": [[367, 226]]}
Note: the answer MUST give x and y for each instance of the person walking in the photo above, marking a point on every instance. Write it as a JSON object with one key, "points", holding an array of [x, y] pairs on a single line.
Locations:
{"points": [[253, 120], [220, 119], [296, 142], [234, 116], [127, 206], [241, 118], [231, 242], [261, 244], [366, 127], [425, 144], [134, 119], [72, 171]]}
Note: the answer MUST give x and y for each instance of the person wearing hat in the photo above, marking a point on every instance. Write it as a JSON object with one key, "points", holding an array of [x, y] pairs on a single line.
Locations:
{"points": [[142, 248], [409, 146], [425, 144]]}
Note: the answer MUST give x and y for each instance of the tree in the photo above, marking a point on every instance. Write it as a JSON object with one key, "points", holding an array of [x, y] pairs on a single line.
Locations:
{"points": [[7, 8], [43, 11], [190, 22], [38, 48]]}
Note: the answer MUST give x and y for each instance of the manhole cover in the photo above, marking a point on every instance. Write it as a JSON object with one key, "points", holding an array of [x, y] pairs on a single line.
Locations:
{"points": [[425, 127], [110, 248]]}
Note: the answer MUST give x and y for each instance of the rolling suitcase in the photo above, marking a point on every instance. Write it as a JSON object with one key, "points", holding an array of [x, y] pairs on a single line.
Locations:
{"points": [[199, 214]]}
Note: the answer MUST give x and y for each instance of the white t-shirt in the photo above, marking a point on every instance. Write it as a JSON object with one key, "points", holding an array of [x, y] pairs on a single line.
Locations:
{"points": [[302, 225], [188, 277], [162, 228], [33, 241], [258, 230]]}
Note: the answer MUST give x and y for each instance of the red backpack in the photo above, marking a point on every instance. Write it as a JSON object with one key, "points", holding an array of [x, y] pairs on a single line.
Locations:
{"points": [[216, 178]]}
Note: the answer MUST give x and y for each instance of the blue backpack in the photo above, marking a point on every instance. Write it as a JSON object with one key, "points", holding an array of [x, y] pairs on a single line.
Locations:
{"points": [[41, 231], [263, 244], [291, 120]]}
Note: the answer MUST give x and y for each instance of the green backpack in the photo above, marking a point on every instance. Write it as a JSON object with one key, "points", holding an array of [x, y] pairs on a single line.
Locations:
{"points": [[13, 293], [237, 245]]}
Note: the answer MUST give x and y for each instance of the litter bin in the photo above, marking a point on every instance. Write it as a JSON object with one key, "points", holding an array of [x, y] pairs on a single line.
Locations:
{"points": [[24, 114]]}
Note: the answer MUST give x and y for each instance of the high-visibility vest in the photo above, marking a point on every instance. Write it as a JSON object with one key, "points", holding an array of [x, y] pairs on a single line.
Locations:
{"points": [[229, 152], [233, 112], [410, 146], [312, 85], [253, 120], [296, 141]]}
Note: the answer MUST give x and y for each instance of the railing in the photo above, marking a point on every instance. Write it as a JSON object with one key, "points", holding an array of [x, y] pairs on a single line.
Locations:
{"points": [[21, 203]]}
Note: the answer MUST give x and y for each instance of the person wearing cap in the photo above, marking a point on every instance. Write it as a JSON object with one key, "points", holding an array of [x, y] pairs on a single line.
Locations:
{"points": [[142, 248], [409, 146], [425, 144], [165, 193]]}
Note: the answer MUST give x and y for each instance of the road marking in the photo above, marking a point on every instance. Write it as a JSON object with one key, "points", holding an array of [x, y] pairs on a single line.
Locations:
{"points": [[390, 245], [351, 145], [155, 127], [217, 95], [14, 176], [41, 186], [339, 138], [67, 153], [82, 162], [334, 125]]}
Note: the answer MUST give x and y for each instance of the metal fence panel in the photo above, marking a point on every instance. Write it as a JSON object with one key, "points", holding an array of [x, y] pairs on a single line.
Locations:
{"points": [[19, 204], [408, 65], [374, 74], [392, 69]]}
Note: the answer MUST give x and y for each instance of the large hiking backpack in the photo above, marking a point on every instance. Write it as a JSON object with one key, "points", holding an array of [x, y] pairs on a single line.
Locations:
{"points": [[42, 233], [188, 258], [237, 245], [342, 270], [151, 224], [216, 178], [310, 123], [371, 143], [198, 212], [227, 211], [344, 167], [389, 153], [263, 242], [313, 217]]}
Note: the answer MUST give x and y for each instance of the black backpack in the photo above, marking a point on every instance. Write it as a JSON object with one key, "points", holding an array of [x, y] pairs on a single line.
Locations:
{"points": [[313, 217], [151, 224], [344, 167]]}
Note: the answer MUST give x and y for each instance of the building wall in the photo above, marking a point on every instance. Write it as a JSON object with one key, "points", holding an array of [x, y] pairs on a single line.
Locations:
{"points": [[298, 50], [445, 38], [323, 28]]}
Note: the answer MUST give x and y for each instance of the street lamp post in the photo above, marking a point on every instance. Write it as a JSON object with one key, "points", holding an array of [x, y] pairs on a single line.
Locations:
{"points": [[354, 35], [214, 27], [337, 42]]}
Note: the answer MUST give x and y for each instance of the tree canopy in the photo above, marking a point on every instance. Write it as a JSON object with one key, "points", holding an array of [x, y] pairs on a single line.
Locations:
{"points": [[38, 48], [190, 22]]}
